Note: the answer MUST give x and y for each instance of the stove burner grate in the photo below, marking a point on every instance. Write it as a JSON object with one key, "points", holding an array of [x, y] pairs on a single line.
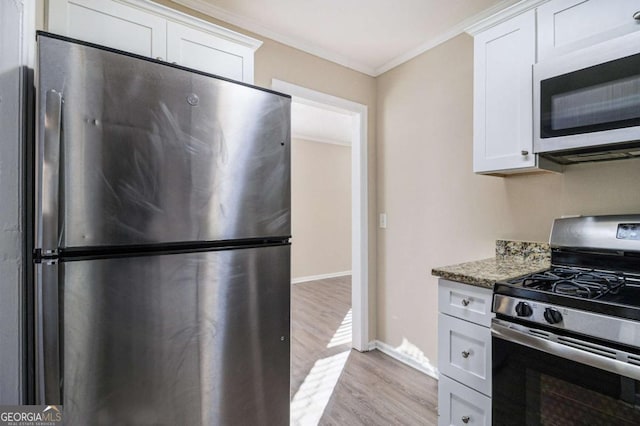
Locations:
{"points": [[588, 284]]}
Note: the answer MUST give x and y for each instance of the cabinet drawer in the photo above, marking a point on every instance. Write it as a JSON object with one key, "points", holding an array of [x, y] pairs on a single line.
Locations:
{"points": [[459, 405], [464, 301], [464, 352]]}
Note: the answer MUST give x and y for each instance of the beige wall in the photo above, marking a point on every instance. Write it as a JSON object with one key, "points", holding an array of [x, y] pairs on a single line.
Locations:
{"points": [[321, 208], [439, 212]]}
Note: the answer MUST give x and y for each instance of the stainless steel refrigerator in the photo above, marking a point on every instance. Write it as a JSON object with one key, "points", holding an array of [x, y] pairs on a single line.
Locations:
{"points": [[161, 242]]}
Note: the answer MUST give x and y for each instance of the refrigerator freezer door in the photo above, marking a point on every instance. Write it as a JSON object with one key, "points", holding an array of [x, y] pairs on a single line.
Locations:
{"points": [[178, 339], [47, 334], [152, 153]]}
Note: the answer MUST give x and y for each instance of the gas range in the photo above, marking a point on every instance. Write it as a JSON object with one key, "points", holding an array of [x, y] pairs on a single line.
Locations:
{"points": [[565, 343], [592, 287]]}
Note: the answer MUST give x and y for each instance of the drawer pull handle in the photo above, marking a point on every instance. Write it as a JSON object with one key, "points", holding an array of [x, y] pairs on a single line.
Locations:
{"points": [[465, 419], [636, 16], [465, 354], [465, 302]]}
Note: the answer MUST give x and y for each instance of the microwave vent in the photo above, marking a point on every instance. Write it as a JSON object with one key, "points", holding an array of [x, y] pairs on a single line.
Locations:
{"points": [[594, 154]]}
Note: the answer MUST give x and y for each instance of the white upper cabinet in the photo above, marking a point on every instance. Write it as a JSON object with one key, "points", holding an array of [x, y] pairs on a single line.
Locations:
{"points": [[146, 28], [200, 50], [506, 46], [503, 97], [568, 25], [110, 24]]}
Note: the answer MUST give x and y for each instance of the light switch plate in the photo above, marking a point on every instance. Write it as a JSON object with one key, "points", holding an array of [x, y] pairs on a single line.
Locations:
{"points": [[383, 220]]}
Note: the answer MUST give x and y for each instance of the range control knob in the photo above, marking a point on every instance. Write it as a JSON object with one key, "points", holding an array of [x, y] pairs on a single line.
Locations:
{"points": [[523, 309], [553, 316]]}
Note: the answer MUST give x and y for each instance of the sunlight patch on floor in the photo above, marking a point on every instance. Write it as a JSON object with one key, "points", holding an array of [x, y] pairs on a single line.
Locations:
{"points": [[314, 393], [342, 335]]}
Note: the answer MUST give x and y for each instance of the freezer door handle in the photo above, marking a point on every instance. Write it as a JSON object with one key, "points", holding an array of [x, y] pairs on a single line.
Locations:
{"points": [[47, 233], [48, 337]]}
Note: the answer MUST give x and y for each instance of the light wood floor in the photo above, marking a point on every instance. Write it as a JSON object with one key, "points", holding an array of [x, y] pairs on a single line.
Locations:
{"points": [[371, 388]]}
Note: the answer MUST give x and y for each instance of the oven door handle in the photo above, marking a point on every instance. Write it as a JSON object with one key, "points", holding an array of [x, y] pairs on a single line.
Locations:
{"points": [[587, 353]]}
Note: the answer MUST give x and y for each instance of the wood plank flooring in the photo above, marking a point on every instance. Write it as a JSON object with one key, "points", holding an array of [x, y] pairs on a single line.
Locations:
{"points": [[334, 385]]}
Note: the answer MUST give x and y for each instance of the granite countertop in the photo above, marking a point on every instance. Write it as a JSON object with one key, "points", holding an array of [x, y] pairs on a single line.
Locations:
{"points": [[513, 259]]}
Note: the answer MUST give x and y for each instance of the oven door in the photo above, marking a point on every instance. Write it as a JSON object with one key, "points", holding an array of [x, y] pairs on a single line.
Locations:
{"points": [[541, 378]]}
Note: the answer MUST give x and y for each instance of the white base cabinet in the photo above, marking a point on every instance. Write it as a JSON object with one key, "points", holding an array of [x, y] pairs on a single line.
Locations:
{"points": [[464, 354], [148, 29]]}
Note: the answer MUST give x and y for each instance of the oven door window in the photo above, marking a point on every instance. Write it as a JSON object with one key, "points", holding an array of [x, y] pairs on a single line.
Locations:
{"points": [[531, 387], [601, 97]]}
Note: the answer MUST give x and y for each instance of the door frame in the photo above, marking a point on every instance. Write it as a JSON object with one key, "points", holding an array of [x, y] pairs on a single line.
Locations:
{"points": [[359, 202], [18, 60]]}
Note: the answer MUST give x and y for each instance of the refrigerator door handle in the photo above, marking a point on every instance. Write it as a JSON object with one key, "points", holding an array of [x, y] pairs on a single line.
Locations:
{"points": [[48, 337], [47, 233]]}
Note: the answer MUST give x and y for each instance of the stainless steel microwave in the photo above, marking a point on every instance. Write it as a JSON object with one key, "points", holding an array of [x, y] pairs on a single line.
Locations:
{"points": [[587, 103]]}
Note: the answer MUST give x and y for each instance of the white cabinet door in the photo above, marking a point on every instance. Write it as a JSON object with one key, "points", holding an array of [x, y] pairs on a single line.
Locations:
{"points": [[205, 52], [567, 25], [148, 29], [461, 406], [110, 23], [503, 95]]}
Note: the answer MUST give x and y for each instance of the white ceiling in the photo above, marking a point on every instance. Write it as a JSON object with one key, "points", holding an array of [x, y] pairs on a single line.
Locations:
{"points": [[370, 36]]}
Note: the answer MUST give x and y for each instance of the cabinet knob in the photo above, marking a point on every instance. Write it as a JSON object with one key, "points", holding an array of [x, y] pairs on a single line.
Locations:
{"points": [[465, 302], [524, 152], [636, 16], [160, 58], [465, 354], [465, 419]]}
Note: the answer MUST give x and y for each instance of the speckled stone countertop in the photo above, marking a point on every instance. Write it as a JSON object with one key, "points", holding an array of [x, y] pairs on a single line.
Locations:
{"points": [[513, 258]]}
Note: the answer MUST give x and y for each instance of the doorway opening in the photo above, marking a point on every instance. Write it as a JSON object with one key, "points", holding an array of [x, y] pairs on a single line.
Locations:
{"points": [[359, 200], [329, 184]]}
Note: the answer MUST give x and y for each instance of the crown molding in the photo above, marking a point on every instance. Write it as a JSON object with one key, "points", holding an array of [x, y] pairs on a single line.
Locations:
{"points": [[443, 37], [477, 23], [503, 15], [255, 27], [183, 18]]}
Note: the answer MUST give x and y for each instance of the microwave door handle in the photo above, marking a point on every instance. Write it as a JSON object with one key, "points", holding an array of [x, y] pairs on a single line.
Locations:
{"points": [[48, 212], [49, 365]]}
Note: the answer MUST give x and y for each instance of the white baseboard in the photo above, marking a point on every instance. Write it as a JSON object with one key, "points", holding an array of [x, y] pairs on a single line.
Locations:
{"points": [[424, 367], [320, 277]]}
